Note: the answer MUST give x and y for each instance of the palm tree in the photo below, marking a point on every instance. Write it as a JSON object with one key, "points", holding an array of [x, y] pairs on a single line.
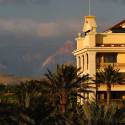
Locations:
{"points": [[38, 112], [95, 114], [25, 91], [62, 84], [3, 89], [91, 114], [11, 115], [108, 77], [33, 110]]}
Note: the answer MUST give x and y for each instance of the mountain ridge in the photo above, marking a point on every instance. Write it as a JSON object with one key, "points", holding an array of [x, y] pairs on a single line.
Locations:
{"points": [[67, 49], [7, 79], [63, 55]]}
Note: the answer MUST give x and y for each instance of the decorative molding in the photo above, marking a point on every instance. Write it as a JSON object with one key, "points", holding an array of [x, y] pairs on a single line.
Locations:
{"points": [[110, 45]]}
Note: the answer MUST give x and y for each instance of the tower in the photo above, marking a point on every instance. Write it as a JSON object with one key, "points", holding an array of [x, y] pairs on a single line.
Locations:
{"points": [[86, 58], [97, 51]]}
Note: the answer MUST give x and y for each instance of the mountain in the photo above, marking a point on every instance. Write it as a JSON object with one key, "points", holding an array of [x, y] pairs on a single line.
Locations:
{"points": [[62, 56], [12, 80], [32, 60], [25, 59]]}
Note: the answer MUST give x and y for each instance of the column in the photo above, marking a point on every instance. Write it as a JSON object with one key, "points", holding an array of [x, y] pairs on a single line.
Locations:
{"points": [[92, 71], [85, 63], [82, 70], [82, 63], [77, 61], [92, 63], [82, 100]]}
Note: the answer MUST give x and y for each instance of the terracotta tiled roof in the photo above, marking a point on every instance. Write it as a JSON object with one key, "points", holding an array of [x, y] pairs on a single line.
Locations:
{"points": [[119, 25]]}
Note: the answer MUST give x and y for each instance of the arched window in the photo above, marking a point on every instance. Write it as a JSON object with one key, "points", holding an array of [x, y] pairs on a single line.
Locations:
{"points": [[87, 61], [83, 63], [79, 62]]}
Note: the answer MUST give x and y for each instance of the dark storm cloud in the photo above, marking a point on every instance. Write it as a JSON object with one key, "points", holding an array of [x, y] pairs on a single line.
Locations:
{"points": [[24, 1], [116, 1], [28, 27]]}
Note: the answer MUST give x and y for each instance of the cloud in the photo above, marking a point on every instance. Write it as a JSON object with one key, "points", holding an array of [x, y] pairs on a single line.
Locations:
{"points": [[116, 1], [30, 28], [3, 66], [27, 28], [30, 57], [24, 1]]}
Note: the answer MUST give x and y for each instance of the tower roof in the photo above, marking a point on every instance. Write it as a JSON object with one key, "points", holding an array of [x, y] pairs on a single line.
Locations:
{"points": [[119, 25], [89, 24]]}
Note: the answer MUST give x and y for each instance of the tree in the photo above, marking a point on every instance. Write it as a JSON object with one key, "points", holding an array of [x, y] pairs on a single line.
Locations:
{"points": [[95, 114], [108, 77], [10, 114], [25, 91], [62, 84], [2, 91], [38, 112], [91, 114]]}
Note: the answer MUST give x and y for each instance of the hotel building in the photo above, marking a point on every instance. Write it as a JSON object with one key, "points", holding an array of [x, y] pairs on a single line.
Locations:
{"points": [[97, 51]]}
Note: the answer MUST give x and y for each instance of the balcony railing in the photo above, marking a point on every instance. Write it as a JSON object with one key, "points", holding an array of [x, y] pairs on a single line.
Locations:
{"points": [[115, 65], [116, 101]]}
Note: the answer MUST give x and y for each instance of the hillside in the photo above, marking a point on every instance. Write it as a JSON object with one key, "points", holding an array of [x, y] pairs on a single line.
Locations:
{"points": [[11, 79], [63, 55]]}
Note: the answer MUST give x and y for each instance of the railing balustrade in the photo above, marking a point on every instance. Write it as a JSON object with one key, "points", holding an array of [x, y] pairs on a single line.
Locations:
{"points": [[115, 65], [117, 101]]}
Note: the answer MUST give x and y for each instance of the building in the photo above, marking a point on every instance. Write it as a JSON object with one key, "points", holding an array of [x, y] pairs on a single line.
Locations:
{"points": [[98, 50]]}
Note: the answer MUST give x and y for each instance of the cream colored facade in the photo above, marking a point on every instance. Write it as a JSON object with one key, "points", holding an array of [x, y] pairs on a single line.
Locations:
{"points": [[98, 50]]}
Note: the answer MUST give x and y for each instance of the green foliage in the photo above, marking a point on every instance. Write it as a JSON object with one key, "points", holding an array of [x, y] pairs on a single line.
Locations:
{"points": [[109, 76], [3, 89], [90, 114], [64, 83], [37, 113], [41, 111], [9, 114], [103, 114]]}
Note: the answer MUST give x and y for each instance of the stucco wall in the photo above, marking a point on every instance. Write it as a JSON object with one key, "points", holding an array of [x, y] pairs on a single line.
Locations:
{"points": [[121, 58], [113, 88], [107, 38], [79, 43]]}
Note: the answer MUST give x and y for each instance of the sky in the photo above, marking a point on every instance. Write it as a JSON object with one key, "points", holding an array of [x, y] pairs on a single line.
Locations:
{"points": [[32, 30]]}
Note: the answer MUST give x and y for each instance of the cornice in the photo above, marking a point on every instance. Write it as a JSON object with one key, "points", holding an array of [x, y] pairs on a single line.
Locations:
{"points": [[99, 49], [111, 34]]}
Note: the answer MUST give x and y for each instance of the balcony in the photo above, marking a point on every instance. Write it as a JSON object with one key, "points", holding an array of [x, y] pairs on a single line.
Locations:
{"points": [[116, 101], [115, 65]]}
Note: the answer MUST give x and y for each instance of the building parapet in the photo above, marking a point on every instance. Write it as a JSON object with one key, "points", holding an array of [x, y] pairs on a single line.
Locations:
{"points": [[110, 38]]}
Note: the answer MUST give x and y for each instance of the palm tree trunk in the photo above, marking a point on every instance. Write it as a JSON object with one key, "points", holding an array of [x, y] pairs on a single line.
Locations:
{"points": [[108, 94], [63, 108], [53, 103], [63, 102], [27, 99]]}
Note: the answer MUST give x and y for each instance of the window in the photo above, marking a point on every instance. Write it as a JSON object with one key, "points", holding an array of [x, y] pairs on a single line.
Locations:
{"points": [[87, 61], [109, 59], [79, 62], [83, 63]]}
